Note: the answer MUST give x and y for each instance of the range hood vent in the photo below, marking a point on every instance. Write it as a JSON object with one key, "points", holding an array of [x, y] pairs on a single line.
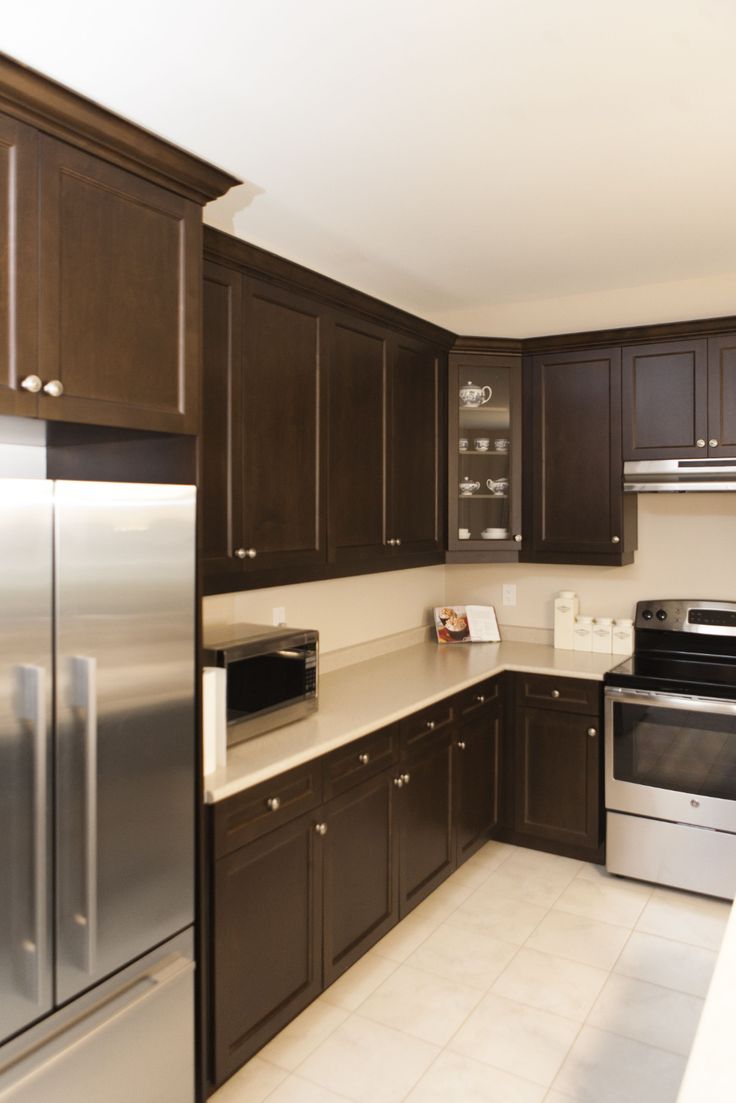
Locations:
{"points": [[678, 476]]}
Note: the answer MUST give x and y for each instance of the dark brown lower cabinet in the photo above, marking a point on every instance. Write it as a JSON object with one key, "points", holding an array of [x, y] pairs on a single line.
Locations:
{"points": [[360, 864], [426, 852], [267, 939], [558, 780], [477, 776]]}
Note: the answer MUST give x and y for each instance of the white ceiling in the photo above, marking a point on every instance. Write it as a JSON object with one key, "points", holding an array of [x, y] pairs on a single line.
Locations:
{"points": [[497, 166]]}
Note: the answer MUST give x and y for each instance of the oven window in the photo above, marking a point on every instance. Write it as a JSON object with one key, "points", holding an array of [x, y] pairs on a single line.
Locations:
{"points": [[264, 682], [689, 752]]}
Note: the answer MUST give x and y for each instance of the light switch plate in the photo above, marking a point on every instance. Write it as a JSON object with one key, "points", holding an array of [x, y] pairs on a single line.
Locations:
{"points": [[509, 593]]}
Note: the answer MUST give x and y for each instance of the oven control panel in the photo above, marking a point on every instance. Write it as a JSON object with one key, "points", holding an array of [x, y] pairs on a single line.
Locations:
{"points": [[679, 615]]}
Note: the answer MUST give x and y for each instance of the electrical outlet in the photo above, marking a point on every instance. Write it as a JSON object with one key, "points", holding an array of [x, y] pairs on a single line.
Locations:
{"points": [[509, 593], [279, 615]]}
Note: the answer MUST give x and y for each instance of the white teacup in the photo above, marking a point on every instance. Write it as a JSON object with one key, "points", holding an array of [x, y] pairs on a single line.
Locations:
{"points": [[482, 444], [463, 444], [463, 534], [502, 444]]}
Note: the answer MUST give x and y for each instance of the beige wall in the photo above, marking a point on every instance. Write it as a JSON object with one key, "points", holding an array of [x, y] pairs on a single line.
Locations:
{"points": [[687, 548], [347, 611]]}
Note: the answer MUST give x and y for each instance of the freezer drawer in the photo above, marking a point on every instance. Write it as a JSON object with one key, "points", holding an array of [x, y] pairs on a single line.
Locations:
{"points": [[130, 1039]]}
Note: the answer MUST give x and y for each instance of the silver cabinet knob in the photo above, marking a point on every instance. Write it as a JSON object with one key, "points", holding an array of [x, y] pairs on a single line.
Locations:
{"points": [[391, 541], [480, 698], [592, 732], [615, 539], [251, 553], [31, 383], [321, 828], [406, 778], [431, 725], [364, 759], [54, 388], [461, 745], [239, 553], [397, 541], [700, 442], [713, 443], [517, 537], [695, 803], [554, 693], [398, 782], [273, 803]]}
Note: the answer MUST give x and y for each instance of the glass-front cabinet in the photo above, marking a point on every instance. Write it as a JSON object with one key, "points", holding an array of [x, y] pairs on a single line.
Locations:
{"points": [[484, 470]]}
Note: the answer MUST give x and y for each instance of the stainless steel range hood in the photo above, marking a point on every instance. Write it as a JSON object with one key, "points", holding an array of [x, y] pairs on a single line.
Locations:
{"points": [[679, 476]]}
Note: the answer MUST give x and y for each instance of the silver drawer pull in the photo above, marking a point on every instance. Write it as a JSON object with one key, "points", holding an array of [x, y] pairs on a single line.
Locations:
{"points": [[554, 693], [461, 745], [54, 388], [31, 383], [481, 698], [273, 803], [431, 725], [406, 778], [321, 828], [398, 782], [364, 758], [592, 732]]}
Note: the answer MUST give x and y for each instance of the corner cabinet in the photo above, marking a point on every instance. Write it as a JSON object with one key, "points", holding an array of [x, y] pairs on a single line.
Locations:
{"points": [[575, 508], [484, 470]]}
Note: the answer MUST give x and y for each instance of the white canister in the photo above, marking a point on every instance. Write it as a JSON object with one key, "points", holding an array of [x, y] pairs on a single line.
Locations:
{"points": [[602, 631], [567, 605], [583, 634], [623, 636]]}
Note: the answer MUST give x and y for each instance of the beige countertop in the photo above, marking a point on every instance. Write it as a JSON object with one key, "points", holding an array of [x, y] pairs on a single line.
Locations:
{"points": [[364, 697]]}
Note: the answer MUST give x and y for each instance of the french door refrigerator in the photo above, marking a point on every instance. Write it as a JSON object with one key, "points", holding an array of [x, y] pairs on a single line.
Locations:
{"points": [[97, 791]]}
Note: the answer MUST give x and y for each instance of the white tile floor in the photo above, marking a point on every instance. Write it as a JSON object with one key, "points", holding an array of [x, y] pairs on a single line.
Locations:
{"points": [[525, 978]]}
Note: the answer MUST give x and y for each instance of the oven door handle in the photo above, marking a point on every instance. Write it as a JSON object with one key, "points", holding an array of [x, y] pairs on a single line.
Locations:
{"points": [[653, 697]]}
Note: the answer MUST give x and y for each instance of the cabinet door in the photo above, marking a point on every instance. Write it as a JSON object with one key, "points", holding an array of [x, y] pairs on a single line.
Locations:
{"points": [[722, 396], [283, 514], [221, 490], [665, 401], [360, 872], [573, 477], [558, 777], [18, 266], [477, 779], [357, 449], [415, 438], [120, 296], [267, 961], [427, 854]]}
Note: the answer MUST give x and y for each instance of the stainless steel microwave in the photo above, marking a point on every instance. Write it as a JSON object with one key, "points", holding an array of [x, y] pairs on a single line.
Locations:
{"points": [[271, 676]]}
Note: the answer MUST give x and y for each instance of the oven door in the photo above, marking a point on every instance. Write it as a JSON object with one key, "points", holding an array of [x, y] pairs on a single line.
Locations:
{"points": [[671, 757]]}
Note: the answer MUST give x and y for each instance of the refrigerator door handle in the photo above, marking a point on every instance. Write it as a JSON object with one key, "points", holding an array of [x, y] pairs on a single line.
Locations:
{"points": [[84, 702], [31, 706]]}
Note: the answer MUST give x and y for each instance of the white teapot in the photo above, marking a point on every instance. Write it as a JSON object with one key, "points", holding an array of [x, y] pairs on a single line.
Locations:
{"points": [[473, 395], [468, 487]]}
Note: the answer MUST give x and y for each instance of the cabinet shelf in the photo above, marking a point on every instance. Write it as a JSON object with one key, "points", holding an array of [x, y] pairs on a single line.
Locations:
{"points": [[470, 497], [483, 451]]}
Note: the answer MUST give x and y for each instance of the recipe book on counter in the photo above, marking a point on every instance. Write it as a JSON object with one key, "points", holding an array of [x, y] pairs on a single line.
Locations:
{"points": [[466, 624]]}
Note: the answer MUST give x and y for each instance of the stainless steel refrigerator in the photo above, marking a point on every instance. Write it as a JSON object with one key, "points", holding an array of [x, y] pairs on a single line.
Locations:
{"points": [[97, 791]]}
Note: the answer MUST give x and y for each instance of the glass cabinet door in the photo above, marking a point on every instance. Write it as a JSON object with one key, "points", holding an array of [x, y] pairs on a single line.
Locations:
{"points": [[485, 454]]}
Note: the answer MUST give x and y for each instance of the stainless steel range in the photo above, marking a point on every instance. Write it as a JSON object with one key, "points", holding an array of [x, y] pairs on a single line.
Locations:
{"points": [[670, 746]]}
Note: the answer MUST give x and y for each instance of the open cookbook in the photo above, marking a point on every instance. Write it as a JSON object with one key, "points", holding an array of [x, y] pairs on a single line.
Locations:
{"points": [[466, 624]]}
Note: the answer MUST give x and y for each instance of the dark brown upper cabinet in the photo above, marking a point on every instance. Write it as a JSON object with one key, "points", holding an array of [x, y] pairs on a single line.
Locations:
{"points": [[665, 400], [573, 499], [385, 447], [484, 448], [100, 263], [263, 404], [18, 265], [119, 296], [722, 395]]}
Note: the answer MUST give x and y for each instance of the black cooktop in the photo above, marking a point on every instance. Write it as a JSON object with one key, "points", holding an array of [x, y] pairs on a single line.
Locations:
{"points": [[685, 675]]}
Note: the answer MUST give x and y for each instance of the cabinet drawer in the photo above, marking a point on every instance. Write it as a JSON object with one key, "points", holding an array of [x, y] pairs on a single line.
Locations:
{"points": [[479, 696], [248, 815], [422, 726], [566, 694], [359, 760]]}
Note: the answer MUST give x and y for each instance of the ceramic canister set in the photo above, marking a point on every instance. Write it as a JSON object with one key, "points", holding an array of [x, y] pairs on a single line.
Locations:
{"points": [[605, 635]]}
